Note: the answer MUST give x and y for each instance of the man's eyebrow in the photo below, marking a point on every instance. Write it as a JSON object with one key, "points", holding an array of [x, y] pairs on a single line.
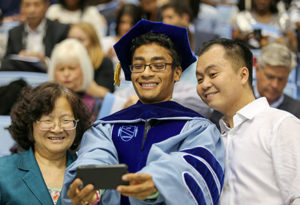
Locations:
{"points": [[138, 58], [206, 69], [155, 58], [158, 58]]}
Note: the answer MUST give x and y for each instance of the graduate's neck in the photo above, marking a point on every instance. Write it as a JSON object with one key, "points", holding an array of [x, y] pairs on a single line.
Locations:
{"points": [[152, 101]]}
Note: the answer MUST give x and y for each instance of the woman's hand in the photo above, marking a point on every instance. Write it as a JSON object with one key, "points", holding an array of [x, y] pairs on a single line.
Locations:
{"points": [[84, 196]]}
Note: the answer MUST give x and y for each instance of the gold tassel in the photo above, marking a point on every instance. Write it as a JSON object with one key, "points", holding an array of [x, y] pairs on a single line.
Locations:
{"points": [[117, 74]]}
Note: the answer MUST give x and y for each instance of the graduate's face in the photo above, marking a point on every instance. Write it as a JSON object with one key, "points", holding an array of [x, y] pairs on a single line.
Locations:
{"points": [[154, 87], [219, 84]]}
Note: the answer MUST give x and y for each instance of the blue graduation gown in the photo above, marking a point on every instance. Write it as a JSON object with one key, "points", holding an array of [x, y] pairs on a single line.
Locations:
{"points": [[182, 151]]}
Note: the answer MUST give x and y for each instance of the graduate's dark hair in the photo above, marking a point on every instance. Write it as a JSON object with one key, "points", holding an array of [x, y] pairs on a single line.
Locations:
{"points": [[236, 51], [35, 102], [161, 40]]}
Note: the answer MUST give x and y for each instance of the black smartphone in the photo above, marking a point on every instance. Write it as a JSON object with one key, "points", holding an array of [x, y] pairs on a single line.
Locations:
{"points": [[102, 176], [257, 33]]}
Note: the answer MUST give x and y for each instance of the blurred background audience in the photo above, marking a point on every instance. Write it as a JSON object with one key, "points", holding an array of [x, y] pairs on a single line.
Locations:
{"points": [[34, 39], [103, 66], [127, 15], [74, 11], [71, 67], [273, 68], [263, 24]]}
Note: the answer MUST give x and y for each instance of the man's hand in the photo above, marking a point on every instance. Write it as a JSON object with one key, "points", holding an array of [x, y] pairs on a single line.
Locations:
{"points": [[141, 186], [84, 196], [40, 56]]}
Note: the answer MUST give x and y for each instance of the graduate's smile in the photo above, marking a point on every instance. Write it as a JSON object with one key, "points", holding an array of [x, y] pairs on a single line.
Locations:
{"points": [[148, 85]]}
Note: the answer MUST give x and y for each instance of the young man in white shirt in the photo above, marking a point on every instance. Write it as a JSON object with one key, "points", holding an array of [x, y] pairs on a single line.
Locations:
{"points": [[262, 143]]}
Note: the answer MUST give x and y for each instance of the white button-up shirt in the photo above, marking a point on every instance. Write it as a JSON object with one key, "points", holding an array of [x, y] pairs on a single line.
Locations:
{"points": [[262, 157], [34, 41]]}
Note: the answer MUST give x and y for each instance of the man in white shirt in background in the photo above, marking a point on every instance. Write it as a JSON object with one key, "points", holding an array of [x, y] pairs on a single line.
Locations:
{"points": [[36, 37], [262, 143]]}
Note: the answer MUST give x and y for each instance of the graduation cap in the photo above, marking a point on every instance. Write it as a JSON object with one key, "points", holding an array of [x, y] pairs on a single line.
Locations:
{"points": [[177, 34]]}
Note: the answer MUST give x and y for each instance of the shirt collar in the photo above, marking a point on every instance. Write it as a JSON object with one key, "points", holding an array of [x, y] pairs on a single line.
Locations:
{"points": [[223, 127], [246, 113], [250, 110], [274, 104], [41, 27]]}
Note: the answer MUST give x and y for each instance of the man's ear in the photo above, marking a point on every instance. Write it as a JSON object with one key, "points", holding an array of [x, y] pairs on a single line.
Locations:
{"points": [[244, 75], [177, 73], [186, 19]]}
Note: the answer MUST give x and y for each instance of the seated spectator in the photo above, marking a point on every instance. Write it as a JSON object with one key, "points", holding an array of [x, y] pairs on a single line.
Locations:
{"points": [[103, 66], [75, 11], [293, 11], [272, 72], [71, 67], [48, 123], [264, 24], [150, 10], [179, 13], [35, 37], [127, 16], [209, 19]]}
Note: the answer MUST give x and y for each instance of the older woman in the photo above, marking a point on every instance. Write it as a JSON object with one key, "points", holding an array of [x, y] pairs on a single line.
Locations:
{"points": [[47, 122], [71, 67], [103, 67]]}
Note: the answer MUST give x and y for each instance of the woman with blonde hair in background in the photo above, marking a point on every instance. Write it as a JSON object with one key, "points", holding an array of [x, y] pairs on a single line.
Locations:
{"points": [[103, 67], [71, 67]]}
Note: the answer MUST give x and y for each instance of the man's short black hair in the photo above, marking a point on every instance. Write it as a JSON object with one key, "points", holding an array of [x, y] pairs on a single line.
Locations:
{"points": [[180, 7], [236, 51], [161, 40]]}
